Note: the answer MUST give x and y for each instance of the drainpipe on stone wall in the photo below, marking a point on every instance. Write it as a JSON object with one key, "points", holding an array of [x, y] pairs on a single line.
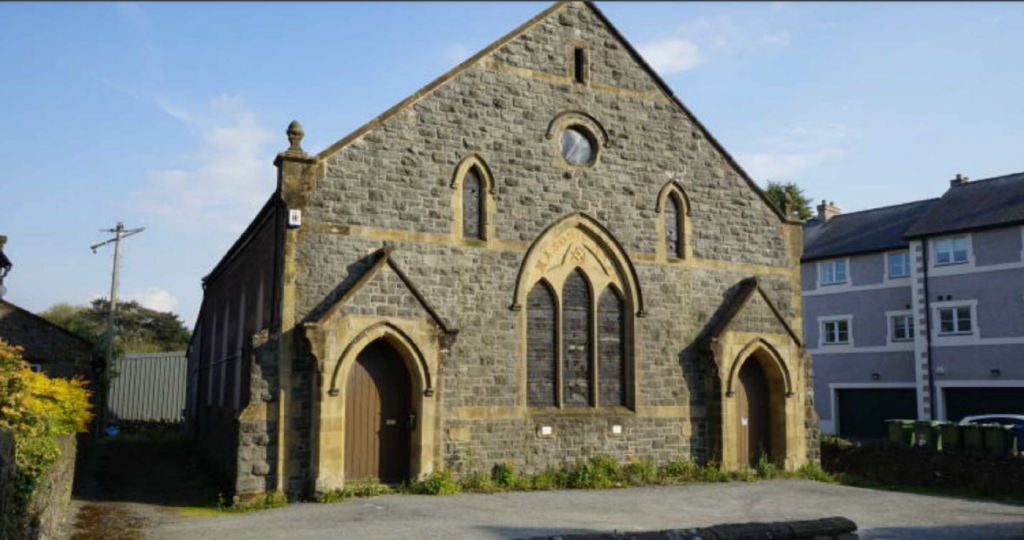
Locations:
{"points": [[928, 331]]}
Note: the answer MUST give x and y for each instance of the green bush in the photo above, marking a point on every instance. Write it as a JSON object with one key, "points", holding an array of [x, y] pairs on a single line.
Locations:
{"points": [[599, 472], [680, 470], [765, 467], [815, 473], [478, 482], [643, 472], [436, 483], [369, 487], [549, 479], [504, 476]]}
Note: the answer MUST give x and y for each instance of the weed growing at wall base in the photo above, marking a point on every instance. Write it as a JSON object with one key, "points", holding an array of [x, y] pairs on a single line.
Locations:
{"points": [[598, 472]]}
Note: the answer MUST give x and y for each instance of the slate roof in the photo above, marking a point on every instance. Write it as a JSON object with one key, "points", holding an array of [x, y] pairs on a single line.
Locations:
{"points": [[976, 205], [878, 229]]}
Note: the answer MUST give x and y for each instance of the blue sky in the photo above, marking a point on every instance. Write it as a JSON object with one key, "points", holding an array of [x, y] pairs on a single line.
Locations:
{"points": [[168, 115]]}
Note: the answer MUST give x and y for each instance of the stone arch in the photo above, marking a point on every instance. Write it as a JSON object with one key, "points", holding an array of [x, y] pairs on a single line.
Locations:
{"points": [[581, 118], [778, 386], [581, 236], [673, 192], [770, 360], [475, 163], [577, 245], [411, 354]]}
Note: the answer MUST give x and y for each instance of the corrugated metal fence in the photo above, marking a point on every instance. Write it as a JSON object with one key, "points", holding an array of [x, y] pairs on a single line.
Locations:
{"points": [[149, 386]]}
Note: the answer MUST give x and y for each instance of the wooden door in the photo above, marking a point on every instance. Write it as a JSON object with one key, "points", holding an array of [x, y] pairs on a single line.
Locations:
{"points": [[752, 428], [377, 416]]}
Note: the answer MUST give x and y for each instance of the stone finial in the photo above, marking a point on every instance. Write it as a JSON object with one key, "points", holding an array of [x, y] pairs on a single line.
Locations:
{"points": [[960, 180], [295, 134]]}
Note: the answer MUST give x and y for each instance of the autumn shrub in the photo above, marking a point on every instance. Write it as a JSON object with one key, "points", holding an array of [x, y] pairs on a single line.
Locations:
{"points": [[37, 409]]}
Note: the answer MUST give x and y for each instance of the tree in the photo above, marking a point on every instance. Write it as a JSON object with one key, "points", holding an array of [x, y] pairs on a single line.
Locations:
{"points": [[139, 329], [796, 203]]}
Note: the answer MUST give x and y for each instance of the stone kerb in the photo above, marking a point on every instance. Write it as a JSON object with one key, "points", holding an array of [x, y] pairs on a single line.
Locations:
{"points": [[833, 528]]}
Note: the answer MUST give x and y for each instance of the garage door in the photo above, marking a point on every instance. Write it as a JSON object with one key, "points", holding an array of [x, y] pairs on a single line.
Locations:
{"points": [[961, 402], [863, 412]]}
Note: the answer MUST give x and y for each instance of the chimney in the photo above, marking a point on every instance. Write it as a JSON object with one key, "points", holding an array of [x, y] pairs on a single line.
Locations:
{"points": [[960, 180], [828, 210]]}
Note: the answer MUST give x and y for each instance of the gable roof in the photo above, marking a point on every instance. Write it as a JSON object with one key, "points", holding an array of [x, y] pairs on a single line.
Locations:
{"points": [[878, 229], [748, 287], [980, 204], [384, 259], [41, 320], [666, 90]]}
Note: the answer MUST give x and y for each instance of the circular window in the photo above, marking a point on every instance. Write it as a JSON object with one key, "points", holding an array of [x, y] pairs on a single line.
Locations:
{"points": [[577, 146]]}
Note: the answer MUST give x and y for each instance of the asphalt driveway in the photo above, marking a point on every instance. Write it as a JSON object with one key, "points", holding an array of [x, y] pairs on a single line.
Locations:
{"points": [[879, 514]]}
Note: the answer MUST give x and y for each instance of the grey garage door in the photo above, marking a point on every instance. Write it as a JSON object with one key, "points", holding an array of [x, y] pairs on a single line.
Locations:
{"points": [[863, 412], [961, 402]]}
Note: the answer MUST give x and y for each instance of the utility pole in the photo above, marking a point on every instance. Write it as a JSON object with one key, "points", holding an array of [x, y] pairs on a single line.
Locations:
{"points": [[120, 233]]}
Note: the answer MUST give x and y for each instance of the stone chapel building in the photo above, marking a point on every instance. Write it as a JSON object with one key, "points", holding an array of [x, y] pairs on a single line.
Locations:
{"points": [[540, 256]]}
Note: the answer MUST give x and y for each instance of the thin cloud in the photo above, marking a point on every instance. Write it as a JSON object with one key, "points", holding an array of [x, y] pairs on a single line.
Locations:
{"points": [[154, 298], [671, 56], [162, 104], [776, 40], [779, 6], [227, 179], [457, 53], [796, 151]]}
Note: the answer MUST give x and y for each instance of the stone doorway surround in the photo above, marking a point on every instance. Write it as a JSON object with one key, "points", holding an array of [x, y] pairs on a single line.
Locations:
{"points": [[740, 336], [420, 338]]}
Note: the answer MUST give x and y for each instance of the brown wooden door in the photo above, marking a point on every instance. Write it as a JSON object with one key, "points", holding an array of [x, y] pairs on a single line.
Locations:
{"points": [[752, 435], [377, 411]]}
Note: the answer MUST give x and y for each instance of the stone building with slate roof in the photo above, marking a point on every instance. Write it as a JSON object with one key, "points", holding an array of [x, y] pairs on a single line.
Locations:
{"points": [[538, 257], [917, 310]]}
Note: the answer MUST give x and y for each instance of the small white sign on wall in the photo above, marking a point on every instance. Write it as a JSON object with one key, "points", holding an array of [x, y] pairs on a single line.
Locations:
{"points": [[294, 219]]}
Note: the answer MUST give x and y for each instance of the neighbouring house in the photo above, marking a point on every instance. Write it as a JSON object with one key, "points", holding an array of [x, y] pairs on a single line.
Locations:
{"points": [[47, 347], [917, 310], [540, 256]]}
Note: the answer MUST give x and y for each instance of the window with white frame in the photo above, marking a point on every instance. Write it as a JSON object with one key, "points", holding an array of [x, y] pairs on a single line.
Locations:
{"points": [[832, 272], [899, 264], [902, 327], [836, 332], [955, 320], [950, 250]]}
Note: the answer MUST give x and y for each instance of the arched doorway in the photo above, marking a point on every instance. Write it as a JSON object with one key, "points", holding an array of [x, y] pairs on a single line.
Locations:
{"points": [[752, 422], [378, 415]]}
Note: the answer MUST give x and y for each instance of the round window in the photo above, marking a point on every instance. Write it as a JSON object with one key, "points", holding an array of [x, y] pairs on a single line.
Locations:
{"points": [[577, 146]]}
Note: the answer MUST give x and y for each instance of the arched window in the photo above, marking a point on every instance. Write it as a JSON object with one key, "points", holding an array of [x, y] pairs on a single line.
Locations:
{"points": [[674, 208], [673, 228], [576, 341], [541, 352], [611, 353], [472, 205]]}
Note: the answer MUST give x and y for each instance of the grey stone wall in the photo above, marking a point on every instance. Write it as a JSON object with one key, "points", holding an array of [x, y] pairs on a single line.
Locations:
{"points": [[48, 510], [397, 177], [8, 476]]}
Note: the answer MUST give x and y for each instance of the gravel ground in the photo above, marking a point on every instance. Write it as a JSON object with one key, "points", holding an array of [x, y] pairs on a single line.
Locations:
{"points": [[879, 514]]}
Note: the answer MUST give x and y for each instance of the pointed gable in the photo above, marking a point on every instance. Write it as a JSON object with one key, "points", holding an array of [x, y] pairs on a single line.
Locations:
{"points": [[384, 290], [750, 310]]}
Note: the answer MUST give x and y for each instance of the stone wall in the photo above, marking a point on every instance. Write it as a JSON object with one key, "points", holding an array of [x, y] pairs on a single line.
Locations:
{"points": [[836, 528], [48, 511], [393, 184], [8, 476]]}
